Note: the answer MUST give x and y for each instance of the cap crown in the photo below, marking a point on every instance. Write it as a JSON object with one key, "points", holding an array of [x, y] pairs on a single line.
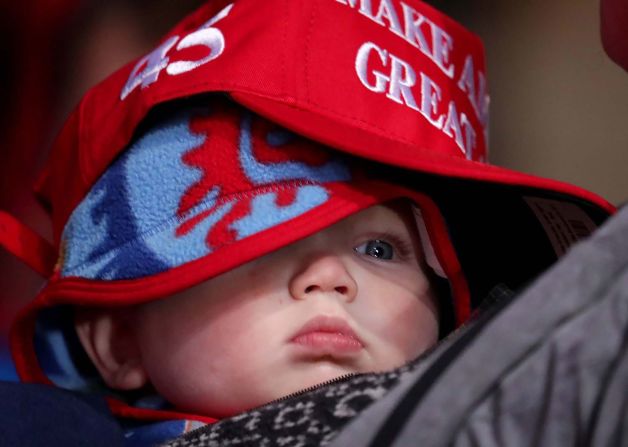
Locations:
{"points": [[395, 81]]}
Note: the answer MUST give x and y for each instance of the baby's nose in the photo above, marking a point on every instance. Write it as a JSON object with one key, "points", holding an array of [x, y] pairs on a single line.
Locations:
{"points": [[325, 274]]}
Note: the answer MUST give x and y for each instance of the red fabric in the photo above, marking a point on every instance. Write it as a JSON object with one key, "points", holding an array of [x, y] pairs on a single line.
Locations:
{"points": [[34, 30], [614, 29], [145, 414], [26, 245], [31, 35]]}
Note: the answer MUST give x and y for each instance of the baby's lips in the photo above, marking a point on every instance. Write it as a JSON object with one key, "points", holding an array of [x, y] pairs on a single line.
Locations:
{"points": [[327, 334], [329, 343]]}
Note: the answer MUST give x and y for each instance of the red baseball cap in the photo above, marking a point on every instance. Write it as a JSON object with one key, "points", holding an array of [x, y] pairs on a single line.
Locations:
{"points": [[396, 85]]}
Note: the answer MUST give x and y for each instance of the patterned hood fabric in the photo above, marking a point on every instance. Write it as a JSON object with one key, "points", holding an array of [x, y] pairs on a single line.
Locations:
{"points": [[193, 183]]}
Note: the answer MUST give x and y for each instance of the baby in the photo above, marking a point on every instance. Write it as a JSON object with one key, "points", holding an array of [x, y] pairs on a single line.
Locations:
{"points": [[351, 298]]}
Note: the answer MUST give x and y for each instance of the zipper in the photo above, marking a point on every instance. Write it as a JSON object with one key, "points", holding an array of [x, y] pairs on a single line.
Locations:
{"points": [[308, 390]]}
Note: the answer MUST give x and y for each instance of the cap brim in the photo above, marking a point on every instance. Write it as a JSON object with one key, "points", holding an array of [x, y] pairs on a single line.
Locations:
{"points": [[342, 133]]}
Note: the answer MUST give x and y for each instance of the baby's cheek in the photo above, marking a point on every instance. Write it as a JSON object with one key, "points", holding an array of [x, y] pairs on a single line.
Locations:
{"points": [[404, 329]]}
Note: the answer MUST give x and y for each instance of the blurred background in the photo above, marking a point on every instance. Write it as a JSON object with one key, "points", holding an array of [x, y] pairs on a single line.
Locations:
{"points": [[559, 104]]}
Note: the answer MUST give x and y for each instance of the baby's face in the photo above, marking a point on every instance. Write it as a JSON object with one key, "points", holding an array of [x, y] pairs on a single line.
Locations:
{"points": [[351, 298]]}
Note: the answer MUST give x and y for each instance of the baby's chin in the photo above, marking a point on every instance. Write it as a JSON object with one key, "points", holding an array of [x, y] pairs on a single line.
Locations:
{"points": [[316, 373], [258, 393]]}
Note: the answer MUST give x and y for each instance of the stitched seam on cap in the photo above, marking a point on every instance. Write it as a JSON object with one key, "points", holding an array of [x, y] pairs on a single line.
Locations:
{"points": [[282, 59], [308, 39]]}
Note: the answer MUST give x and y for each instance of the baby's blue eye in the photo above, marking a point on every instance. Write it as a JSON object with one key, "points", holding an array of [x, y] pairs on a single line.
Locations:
{"points": [[376, 248]]}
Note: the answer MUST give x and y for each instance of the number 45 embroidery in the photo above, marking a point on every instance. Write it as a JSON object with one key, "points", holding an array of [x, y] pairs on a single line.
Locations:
{"points": [[147, 69]]}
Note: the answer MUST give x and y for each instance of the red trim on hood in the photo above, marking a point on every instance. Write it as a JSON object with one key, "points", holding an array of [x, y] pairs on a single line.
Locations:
{"points": [[26, 245]]}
